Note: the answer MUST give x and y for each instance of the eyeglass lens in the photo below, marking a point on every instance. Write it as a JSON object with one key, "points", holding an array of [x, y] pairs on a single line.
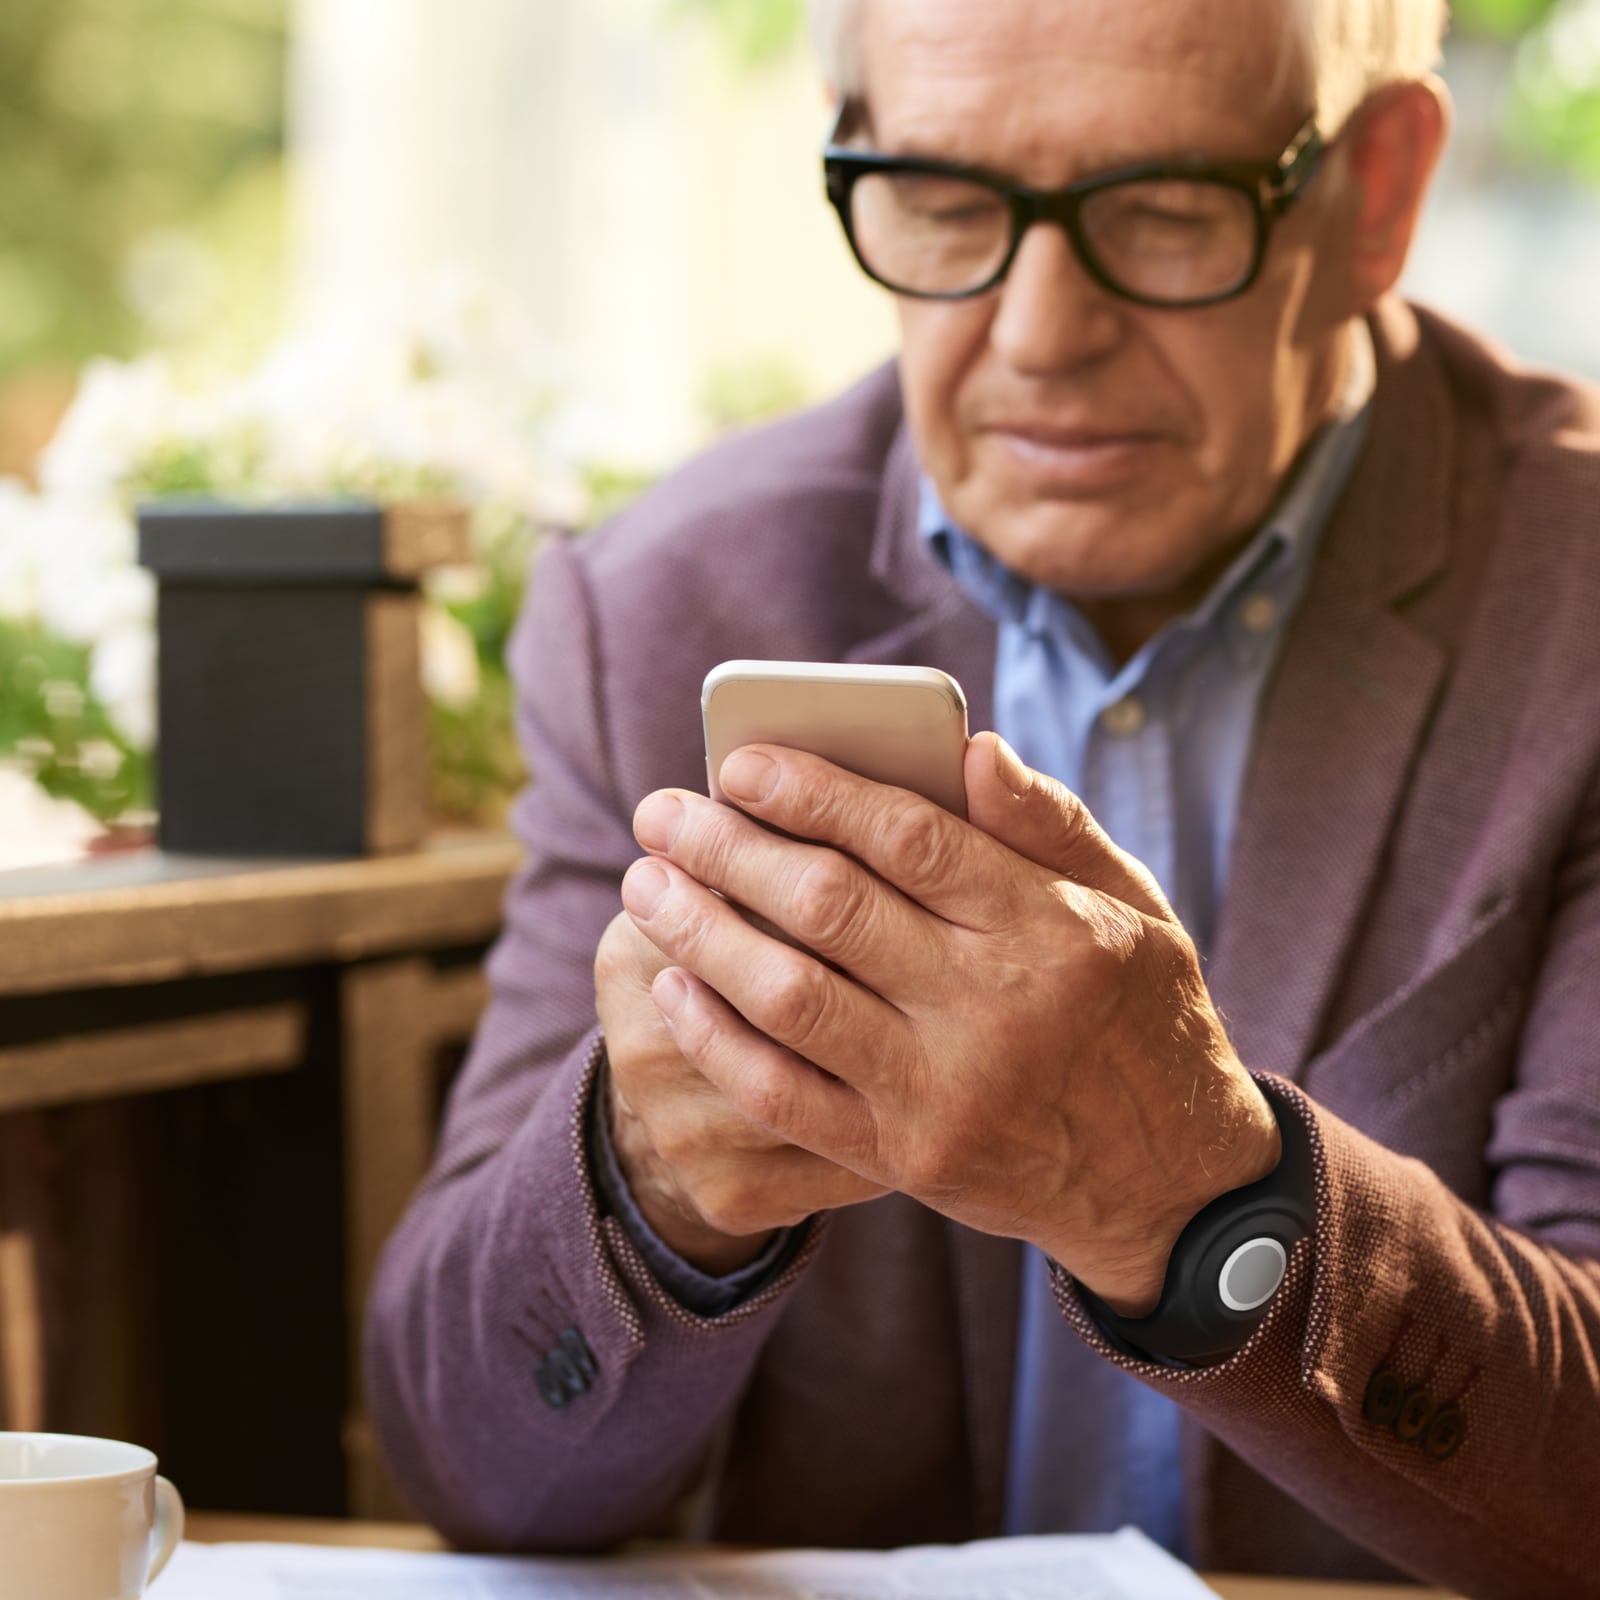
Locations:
{"points": [[1162, 239]]}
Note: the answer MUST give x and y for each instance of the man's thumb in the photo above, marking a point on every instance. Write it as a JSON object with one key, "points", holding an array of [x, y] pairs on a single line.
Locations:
{"points": [[1042, 819]]}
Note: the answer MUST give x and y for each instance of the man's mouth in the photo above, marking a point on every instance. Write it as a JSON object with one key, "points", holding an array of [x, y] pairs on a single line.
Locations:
{"points": [[1085, 458]]}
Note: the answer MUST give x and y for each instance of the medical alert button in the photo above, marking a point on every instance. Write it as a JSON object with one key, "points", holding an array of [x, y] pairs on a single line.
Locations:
{"points": [[1251, 1275]]}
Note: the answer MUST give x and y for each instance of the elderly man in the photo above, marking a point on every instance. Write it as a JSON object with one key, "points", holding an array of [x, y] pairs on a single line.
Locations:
{"points": [[1282, 595]]}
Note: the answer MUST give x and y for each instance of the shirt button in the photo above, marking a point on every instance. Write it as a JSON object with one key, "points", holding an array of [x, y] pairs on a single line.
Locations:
{"points": [[1125, 718], [1258, 613]]}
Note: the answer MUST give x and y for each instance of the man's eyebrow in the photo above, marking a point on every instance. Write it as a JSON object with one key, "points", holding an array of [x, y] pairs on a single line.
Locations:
{"points": [[915, 147]]}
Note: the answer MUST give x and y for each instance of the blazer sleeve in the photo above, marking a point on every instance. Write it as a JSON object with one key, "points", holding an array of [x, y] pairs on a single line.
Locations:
{"points": [[1428, 1378], [531, 1384]]}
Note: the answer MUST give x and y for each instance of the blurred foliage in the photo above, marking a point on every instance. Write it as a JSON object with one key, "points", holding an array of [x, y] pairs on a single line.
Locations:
{"points": [[49, 718], [754, 32], [179, 467], [476, 764], [1552, 112], [1551, 109], [143, 141], [745, 392], [1500, 19], [613, 489]]}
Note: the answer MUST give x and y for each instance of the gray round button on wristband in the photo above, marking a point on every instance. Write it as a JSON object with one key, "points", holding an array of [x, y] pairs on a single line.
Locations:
{"points": [[1251, 1275], [1227, 1264]]}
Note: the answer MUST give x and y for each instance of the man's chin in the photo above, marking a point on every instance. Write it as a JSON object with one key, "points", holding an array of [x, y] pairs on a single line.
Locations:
{"points": [[1090, 553]]}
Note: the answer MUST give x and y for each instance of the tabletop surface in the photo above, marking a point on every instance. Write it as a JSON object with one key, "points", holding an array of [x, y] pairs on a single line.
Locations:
{"points": [[218, 1528], [148, 916]]}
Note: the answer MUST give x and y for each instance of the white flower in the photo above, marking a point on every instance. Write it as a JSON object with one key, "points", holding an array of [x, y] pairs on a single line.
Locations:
{"points": [[88, 583], [19, 518], [122, 674], [449, 660], [36, 829], [447, 391], [121, 412]]}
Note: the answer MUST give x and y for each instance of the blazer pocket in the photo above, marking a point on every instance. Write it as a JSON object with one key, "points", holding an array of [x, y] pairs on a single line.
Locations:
{"points": [[1421, 1071]]}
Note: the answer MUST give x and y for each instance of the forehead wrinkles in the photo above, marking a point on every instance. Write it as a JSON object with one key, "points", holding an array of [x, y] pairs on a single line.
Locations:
{"points": [[1002, 61]]}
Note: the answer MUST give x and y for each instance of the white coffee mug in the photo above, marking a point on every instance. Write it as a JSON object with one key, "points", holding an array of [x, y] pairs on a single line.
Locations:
{"points": [[82, 1519]]}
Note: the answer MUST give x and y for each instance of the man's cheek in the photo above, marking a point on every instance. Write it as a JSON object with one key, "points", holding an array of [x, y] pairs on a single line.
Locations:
{"points": [[941, 350]]}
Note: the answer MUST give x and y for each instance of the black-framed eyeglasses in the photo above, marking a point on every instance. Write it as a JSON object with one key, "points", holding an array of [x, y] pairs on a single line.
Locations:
{"points": [[1168, 234]]}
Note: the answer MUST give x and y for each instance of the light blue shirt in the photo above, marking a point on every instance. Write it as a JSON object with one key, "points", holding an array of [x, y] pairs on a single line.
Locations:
{"points": [[1157, 749]]}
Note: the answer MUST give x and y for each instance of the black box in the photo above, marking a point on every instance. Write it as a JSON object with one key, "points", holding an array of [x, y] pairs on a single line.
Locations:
{"points": [[290, 711]]}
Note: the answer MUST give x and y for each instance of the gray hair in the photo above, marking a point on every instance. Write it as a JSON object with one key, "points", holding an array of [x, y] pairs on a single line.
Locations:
{"points": [[1353, 47]]}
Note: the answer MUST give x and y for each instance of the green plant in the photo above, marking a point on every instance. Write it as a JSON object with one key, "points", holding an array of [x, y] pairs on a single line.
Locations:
{"points": [[52, 721], [137, 136], [754, 32]]}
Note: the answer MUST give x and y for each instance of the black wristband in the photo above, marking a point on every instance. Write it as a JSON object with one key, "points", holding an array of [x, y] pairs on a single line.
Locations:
{"points": [[1227, 1263]]}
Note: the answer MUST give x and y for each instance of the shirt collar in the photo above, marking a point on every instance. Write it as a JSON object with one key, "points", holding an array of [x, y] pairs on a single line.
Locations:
{"points": [[1281, 552]]}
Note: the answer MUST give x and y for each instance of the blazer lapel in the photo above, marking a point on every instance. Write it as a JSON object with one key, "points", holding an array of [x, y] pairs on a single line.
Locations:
{"points": [[1352, 696]]}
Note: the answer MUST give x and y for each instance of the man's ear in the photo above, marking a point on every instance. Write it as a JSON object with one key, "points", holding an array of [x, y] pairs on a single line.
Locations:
{"points": [[1396, 138]]}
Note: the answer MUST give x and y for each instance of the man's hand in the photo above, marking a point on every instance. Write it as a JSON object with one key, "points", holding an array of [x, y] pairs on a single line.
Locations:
{"points": [[711, 1184], [1006, 1023]]}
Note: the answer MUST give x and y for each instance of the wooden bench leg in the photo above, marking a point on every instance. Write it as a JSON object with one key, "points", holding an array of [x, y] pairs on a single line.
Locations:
{"points": [[23, 1222]]}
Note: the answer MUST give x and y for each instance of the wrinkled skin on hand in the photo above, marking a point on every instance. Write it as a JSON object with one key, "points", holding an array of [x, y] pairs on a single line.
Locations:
{"points": [[1000, 1018], [711, 1183]]}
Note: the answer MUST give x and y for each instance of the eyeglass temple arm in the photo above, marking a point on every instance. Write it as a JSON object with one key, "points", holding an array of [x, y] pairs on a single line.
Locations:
{"points": [[1295, 165]]}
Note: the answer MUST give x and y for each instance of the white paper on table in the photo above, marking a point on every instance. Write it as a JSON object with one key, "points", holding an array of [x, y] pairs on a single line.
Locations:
{"points": [[1117, 1566]]}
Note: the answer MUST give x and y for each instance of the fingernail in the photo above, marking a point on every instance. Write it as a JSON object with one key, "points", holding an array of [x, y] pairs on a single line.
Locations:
{"points": [[644, 887], [1010, 770], [748, 775], [657, 820], [669, 991]]}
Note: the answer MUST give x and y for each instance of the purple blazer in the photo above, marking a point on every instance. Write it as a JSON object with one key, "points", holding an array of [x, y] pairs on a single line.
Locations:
{"points": [[1411, 935]]}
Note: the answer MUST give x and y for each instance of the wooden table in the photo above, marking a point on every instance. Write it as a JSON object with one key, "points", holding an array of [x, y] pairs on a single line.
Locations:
{"points": [[308, 1006], [217, 1529]]}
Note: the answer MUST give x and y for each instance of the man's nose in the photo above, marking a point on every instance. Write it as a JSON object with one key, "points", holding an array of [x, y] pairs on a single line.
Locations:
{"points": [[1052, 315]]}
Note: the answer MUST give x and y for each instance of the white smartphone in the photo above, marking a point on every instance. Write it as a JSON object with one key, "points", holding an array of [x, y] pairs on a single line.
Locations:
{"points": [[905, 726]]}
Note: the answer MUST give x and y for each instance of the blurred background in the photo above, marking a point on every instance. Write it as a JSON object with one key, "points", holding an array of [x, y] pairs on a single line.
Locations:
{"points": [[527, 253]]}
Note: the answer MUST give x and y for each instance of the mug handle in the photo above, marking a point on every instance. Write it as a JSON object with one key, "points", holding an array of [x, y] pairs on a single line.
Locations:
{"points": [[169, 1525]]}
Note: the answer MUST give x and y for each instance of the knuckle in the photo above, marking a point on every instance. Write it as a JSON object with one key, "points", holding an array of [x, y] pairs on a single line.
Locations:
{"points": [[936, 1163], [916, 845], [829, 898], [713, 839], [685, 1136], [811, 810], [766, 1099], [678, 1140], [685, 922], [1072, 825], [1076, 819], [704, 839], [695, 1031], [731, 1204], [796, 1007]]}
